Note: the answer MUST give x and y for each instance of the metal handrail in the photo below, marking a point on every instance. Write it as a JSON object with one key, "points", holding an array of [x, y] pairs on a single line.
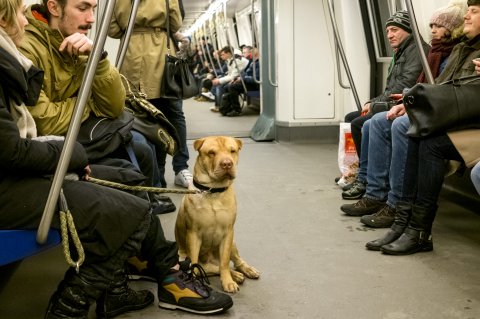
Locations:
{"points": [[254, 43], [213, 42], [128, 34], [343, 55], [71, 137], [418, 41], [269, 44], [207, 49]]}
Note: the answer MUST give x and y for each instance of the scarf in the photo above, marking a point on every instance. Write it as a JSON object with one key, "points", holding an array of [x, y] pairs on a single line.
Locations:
{"points": [[439, 51], [20, 114]]}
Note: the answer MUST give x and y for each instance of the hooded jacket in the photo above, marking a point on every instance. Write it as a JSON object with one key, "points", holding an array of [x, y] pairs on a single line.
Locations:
{"points": [[63, 78]]}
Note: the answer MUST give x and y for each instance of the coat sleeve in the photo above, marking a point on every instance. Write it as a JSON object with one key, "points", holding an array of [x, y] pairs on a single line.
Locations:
{"points": [[108, 92], [30, 156]]}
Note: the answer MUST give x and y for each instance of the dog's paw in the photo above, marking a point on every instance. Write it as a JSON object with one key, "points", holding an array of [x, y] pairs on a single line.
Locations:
{"points": [[238, 277], [249, 271], [231, 287]]}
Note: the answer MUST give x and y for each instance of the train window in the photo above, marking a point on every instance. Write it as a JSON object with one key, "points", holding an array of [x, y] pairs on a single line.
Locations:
{"points": [[379, 12]]}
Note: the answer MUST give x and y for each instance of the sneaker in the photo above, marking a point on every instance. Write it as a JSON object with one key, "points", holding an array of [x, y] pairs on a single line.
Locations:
{"points": [[209, 95], [215, 109], [357, 191], [188, 290], [184, 178], [382, 219], [337, 179], [365, 206]]}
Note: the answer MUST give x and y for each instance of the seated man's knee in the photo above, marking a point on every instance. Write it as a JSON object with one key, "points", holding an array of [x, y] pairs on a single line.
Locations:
{"points": [[400, 125], [351, 116]]}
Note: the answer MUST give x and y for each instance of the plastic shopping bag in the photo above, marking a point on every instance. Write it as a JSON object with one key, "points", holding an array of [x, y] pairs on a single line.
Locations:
{"points": [[347, 155]]}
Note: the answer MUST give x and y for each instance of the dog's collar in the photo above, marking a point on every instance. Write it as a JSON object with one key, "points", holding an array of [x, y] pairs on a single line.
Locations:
{"points": [[208, 189]]}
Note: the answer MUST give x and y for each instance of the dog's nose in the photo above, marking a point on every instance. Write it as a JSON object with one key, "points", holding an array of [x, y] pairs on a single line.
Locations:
{"points": [[226, 164]]}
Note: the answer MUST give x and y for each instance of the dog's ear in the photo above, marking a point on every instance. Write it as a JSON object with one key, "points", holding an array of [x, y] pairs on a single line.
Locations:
{"points": [[198, 143], [239, 143]]}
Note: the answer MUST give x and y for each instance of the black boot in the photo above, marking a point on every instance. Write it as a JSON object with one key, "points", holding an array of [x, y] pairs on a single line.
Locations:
{"points": [[417, 236], [119, 298], [72, 298], [402, 216]]}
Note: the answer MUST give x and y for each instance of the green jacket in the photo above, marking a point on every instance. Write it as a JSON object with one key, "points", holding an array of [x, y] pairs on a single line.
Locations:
{"points": [[63, 78], [145, 57]]}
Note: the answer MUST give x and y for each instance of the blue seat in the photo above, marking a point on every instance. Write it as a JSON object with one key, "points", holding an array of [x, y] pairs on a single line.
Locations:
{"points": [[19, 244]]}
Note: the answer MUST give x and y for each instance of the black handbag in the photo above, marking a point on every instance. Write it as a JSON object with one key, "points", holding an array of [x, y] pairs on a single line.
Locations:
{"points": [[149, 120], [452, 105], [178, 81]]}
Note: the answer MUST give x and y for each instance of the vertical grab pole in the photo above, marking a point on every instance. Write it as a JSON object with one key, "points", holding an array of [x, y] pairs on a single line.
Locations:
{"points": [[418, 41], [342, 54], [126, 37], [269, 44], [71, 137], [254, 36]]}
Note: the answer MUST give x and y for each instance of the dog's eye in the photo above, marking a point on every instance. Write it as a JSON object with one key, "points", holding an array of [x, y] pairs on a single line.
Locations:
{"points": [[233, 151], [211, 153]]}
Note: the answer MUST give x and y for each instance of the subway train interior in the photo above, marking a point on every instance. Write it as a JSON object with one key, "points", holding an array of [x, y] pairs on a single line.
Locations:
{"points": [[319, 60]]}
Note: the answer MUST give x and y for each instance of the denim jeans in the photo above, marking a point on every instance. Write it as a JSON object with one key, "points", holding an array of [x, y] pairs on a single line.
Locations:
{"points": [[363, 157], [475, 175], [387, 153], [173, 111], [427, 168], [155, 178]]}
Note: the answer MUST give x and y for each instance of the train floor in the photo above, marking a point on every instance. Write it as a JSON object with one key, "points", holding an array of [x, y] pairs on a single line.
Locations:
{"points": [[312, 257]]}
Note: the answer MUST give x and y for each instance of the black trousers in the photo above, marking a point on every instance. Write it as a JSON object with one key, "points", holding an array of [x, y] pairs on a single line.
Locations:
{"points": [[357, 121]]}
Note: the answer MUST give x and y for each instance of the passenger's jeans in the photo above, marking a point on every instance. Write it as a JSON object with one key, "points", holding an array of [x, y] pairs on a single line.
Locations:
{"points": [[475, 175], [387, 152], [173, 111], [363, 158], [426, 167]]}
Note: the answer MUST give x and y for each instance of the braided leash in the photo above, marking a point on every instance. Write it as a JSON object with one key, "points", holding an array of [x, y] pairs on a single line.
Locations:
{"points": [[142, 188]]}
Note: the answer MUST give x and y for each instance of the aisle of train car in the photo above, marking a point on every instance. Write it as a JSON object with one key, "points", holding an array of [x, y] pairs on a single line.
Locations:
{"points": [[312, 258]]}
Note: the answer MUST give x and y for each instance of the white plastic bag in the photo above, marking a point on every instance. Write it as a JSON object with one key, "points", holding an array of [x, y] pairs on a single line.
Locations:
{"points": [[347, 155]]}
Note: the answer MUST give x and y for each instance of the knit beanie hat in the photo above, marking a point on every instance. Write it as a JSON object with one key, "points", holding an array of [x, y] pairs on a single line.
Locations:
{"points": [[450, 16], [400, 19], [473, 2]]}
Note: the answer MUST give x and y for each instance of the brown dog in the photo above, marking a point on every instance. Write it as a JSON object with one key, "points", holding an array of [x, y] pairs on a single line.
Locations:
{"points": [[204, 226]]}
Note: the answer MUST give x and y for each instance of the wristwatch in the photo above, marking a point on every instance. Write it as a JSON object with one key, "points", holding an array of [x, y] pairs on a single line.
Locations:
{"points": [[103, 55]]}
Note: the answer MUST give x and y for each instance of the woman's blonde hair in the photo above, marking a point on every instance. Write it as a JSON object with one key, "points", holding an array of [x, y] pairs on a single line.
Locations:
{"points": [[8, 14]]}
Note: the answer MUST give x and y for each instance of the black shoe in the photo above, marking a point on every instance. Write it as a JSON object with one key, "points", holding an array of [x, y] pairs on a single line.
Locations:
{"points": [[162, 204], [122, 299], [356, 191], [383, 218], [410, 242], [233, 113], [187, 291], [364, 206]]}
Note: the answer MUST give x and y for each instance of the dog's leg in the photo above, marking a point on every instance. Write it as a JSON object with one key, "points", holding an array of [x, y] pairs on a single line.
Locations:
{"points": [[225, 276], [193, 246], [241, 265]]}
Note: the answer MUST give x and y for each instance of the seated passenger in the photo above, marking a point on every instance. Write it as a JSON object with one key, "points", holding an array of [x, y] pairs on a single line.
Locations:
{"points": [[235, 66], [425, 164], [404, 70], [61, 47], [230, 103], [384, 139], [112, 225]]}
